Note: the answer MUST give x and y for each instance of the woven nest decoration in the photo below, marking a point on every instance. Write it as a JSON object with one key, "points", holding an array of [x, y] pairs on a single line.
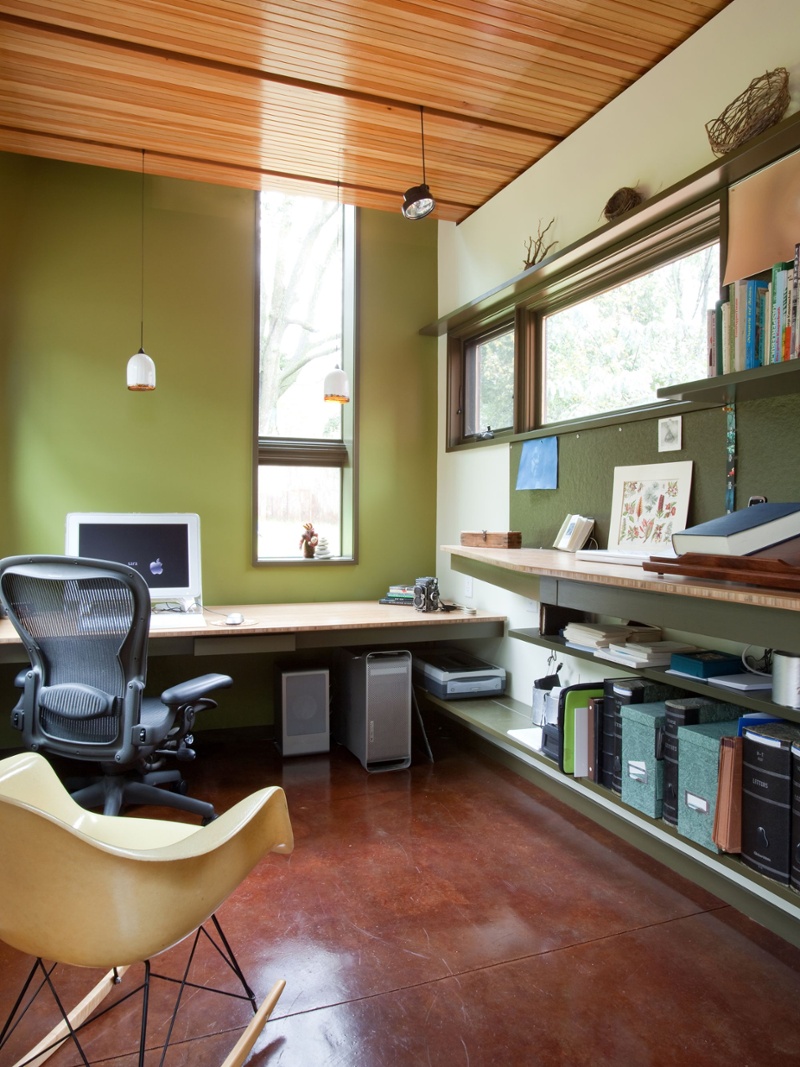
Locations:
{"points": [[760, 106], [623, 200]]}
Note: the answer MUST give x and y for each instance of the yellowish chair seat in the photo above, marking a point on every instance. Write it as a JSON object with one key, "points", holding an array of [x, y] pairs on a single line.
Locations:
{"points": [[102, 891]]}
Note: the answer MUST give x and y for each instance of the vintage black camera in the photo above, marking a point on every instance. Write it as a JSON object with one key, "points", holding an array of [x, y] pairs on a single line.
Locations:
{"points": [[426, 594]]}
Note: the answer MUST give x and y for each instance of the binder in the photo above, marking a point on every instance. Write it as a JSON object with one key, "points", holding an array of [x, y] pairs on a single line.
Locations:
{"points": [[767, 798], [794, 870], [570, 698], [727, 830]]}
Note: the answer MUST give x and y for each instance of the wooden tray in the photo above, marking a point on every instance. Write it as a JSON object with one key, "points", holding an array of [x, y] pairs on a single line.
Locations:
{"points": [[770, 573]]}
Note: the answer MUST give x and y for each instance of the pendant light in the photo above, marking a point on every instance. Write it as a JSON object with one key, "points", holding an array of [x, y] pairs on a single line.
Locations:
{"points": [[417, 201], [336, 386], [141, 368]]}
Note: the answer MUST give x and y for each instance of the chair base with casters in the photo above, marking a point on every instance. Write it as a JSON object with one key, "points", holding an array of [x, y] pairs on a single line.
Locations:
{"points": [[160, 882]]}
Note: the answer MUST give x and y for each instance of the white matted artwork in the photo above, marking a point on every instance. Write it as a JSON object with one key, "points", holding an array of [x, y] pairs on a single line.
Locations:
{"points": [[649, 504]]}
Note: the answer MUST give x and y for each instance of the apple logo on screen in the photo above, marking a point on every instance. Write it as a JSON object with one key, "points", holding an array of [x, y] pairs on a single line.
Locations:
{"points": [[156, 567]]}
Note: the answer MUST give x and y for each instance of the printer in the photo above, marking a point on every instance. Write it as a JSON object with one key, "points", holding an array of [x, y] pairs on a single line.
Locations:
{"points": [[453, 674]]}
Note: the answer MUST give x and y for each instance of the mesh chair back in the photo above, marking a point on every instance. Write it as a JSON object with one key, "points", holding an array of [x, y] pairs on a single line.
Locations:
{"points": [[84, 624]]}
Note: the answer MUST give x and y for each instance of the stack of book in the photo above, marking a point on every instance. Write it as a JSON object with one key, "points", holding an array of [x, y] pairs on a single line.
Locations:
{"points": [[643, 654], [589, 637], [399, 594]]}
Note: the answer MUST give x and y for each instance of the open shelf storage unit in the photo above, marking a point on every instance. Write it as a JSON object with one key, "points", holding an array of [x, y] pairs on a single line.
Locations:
{"points": [[710, 610]]}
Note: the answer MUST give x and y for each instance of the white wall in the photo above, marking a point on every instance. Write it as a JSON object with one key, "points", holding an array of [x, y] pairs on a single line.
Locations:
{"points": [[651, 136]]}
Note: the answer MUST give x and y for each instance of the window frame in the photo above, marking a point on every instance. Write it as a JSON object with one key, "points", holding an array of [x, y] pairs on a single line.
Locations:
{"points": [[555, 286], [341, 453]]}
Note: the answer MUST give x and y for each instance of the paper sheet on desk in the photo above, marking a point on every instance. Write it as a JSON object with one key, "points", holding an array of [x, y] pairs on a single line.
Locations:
{"points": [[532, 737]]}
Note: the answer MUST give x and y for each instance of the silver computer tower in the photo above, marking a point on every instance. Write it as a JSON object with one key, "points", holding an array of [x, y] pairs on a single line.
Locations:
{"points": [[374, 713], [302, 715]]}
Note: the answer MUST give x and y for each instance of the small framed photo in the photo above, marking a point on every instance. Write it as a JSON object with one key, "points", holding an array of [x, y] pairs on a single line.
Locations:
{"points": [[669, 434], [649, 504]]}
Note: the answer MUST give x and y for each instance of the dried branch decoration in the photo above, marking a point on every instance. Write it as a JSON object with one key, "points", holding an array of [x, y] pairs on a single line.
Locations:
{"points": [[623, 200], [760, 106], [536, 250]]}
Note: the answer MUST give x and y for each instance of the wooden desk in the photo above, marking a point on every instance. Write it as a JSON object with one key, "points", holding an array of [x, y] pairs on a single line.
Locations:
{"points": [[287, 627]]}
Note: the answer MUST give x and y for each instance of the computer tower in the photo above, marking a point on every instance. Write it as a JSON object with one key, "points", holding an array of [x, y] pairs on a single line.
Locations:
{"points": [[374, 710], [302, 724]]}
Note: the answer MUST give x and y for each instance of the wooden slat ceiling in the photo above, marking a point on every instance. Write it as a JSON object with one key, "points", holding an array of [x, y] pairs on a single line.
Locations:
{"points": [[324, 96]]}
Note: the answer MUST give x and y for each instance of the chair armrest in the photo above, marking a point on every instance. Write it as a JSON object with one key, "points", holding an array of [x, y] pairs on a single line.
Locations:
{"points": [[195, 689]]}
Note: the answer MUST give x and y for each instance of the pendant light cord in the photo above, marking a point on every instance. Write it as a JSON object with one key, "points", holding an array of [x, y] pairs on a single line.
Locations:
{"points": [[141, 272], [422, 138]]}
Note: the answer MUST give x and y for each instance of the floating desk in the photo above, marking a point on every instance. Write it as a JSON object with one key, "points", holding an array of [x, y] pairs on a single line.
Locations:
{"points": [[288, 627]]}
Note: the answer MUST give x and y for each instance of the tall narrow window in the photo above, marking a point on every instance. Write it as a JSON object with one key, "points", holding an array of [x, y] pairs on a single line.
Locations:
{"points": [[306, 461]]}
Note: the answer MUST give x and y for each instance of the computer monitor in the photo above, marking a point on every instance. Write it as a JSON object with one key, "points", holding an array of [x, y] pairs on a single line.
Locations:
{"points": [[163, 548]]}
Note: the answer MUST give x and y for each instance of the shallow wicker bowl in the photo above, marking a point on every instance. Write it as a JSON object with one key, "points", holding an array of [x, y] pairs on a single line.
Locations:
{"points": [[760, 106]]}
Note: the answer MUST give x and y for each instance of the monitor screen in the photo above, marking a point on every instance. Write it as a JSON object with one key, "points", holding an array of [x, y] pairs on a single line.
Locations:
{"points": [[163, 548]]}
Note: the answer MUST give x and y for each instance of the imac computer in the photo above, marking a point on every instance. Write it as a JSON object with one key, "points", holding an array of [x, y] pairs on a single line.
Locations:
{"points": [[163, 548]]}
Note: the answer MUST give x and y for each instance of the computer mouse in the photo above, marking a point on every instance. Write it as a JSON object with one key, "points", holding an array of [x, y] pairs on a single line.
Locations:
{"points": [[235, 619]]}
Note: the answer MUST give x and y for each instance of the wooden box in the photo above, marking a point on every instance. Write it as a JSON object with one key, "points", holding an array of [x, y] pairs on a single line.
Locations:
{"points": [[485, 539]]}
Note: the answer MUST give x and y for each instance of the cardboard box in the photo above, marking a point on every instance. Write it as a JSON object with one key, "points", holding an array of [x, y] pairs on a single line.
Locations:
{"points": [[643, 756]]}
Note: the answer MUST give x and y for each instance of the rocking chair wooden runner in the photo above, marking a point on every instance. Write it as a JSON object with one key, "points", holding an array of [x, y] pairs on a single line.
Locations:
{"points": [[106, 892]]}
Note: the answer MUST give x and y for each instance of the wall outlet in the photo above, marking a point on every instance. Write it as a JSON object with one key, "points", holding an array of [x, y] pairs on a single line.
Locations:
{"points": [[468, 587]]}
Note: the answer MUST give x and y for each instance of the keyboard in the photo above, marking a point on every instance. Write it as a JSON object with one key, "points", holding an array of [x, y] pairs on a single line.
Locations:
{"points": [[176, 620]]}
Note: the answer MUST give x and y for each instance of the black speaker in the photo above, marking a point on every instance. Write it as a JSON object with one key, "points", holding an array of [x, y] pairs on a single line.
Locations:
{"points": [[302, 714]]}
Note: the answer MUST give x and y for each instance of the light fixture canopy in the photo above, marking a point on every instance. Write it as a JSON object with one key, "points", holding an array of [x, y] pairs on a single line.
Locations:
{"points": [[337, 387], [141, 374], [417, 201]]}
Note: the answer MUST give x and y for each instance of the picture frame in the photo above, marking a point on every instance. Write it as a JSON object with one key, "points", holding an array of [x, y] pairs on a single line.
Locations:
{"points": [[649, 503]]}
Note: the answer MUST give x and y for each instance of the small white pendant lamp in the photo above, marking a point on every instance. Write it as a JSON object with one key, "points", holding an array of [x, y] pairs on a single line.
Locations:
{"points": [[141, 368], [337, 387]]}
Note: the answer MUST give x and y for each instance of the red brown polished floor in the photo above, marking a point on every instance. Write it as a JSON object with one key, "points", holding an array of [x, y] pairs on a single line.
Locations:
{"points": [[453, 915]]}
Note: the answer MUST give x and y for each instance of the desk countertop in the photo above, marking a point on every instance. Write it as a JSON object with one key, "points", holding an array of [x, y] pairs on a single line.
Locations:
{"points": [[332, 623]]}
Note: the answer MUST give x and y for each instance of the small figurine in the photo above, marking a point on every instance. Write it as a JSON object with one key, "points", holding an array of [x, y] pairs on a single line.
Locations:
{"points": [[308, 540]]}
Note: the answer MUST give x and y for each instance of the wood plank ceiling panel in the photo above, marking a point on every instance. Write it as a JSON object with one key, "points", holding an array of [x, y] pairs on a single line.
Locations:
{"points": [[324, 95]]}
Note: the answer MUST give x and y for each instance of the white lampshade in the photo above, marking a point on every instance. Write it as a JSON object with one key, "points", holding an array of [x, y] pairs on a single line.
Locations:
{"points": [[141, 372], [337, 387]]}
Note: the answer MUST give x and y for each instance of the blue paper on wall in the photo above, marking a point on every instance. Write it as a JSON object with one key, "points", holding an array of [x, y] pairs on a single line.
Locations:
{"points": [[538, 464]]}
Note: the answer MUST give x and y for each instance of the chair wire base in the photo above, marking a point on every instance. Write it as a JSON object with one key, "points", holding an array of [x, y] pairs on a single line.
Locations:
{"points": [[67, 1029]]}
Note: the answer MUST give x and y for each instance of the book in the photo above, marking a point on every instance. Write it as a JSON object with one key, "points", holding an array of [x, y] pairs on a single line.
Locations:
{"points": [[706, 663], [739, 533], [727, 829], [574, 533], [777, 289], [745, 296], [745, 682]]}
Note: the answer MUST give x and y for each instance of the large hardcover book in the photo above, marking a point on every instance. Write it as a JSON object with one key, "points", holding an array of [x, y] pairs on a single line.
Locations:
{"points": [[632, 691], [767, 798], [741, 532], [686, 711]]}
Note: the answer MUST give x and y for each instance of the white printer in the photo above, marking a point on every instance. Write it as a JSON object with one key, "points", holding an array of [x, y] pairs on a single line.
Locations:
{"points": [[453, 674]]}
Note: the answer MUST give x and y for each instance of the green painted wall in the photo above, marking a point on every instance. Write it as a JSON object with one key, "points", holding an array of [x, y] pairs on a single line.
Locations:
{"points": [[72, 438], [767, 464]]}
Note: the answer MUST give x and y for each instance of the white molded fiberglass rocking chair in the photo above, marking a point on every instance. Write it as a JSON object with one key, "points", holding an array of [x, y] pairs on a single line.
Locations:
{"points": [[99, 891]]}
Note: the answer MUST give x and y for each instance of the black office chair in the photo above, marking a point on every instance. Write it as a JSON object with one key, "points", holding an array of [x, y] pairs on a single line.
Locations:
{"points": [[84, 624]]}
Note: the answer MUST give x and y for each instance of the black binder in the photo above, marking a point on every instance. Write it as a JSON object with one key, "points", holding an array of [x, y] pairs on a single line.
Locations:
{"points": [[767, 798], [606, 758], [794, 870], [686, 711], [633, 691]]}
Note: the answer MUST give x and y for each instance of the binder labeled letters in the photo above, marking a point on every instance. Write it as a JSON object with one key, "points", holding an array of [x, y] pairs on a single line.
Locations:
{"points": [[767, 798]]}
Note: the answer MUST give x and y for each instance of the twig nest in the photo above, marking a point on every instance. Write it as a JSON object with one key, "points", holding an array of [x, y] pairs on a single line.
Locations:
{"points": [[760, 106], [623, 200]]}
